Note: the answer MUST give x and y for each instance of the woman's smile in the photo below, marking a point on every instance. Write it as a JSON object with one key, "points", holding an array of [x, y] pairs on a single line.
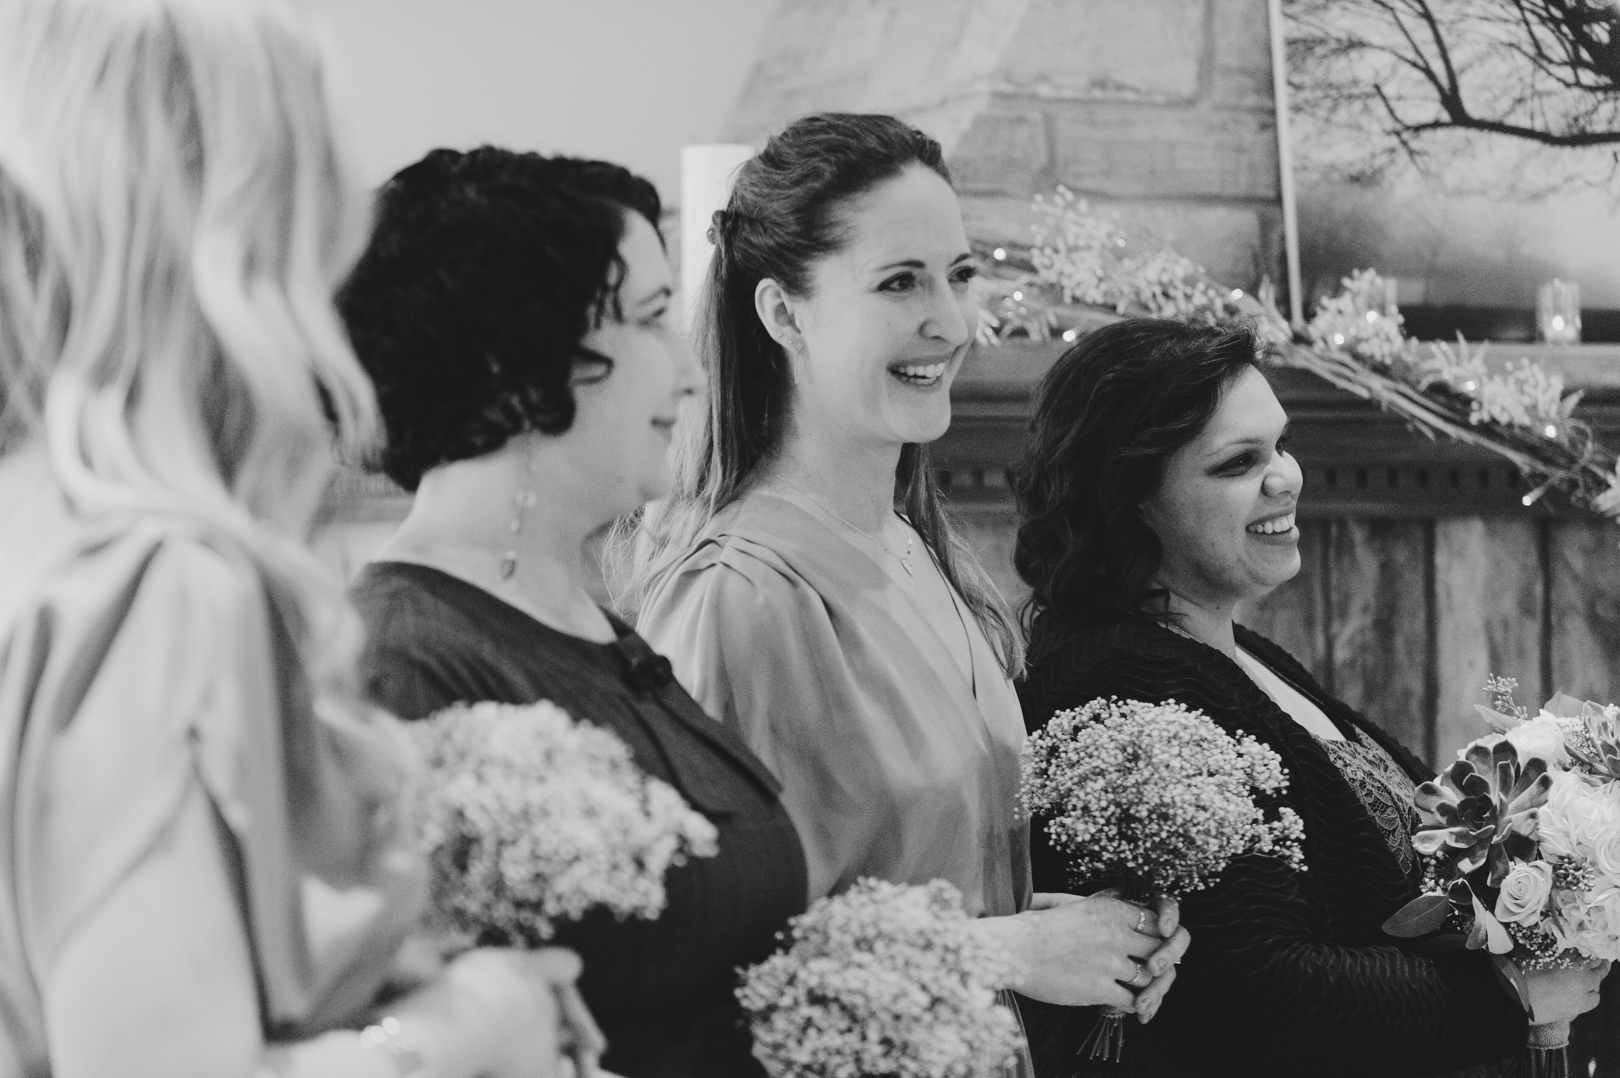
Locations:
{"points": [[1278, 528], [921, 373]]}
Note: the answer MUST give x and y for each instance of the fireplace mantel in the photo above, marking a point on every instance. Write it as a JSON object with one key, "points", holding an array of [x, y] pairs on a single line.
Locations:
{"points": [[1358, 460]]}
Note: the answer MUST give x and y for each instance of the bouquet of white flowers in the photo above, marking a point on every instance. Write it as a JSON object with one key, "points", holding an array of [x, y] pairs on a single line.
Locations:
{"points": [[530, 818], [883, 980], [1521, 845], [1153, 799]]}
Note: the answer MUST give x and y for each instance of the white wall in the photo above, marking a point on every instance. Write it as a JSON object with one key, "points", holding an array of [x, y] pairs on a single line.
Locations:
{"points": [[625, 80]]}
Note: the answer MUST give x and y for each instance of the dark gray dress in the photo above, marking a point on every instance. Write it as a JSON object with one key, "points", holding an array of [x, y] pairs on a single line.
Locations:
{"points": [[661, 990]]}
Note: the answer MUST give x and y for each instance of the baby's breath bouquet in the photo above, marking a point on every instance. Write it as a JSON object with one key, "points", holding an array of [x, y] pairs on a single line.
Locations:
{"points": [[883, 981], [1153, 799], [531, 818]]}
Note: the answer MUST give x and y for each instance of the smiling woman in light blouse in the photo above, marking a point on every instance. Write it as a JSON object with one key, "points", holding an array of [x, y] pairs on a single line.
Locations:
{"points": [[855, 644]]}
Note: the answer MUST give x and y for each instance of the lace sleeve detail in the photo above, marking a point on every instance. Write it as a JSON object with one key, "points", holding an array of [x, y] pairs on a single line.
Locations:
{"points": [[1384, 790]]}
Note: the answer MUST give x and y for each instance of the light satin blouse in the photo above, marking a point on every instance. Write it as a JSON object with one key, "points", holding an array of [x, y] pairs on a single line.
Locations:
{"points": [[895, 762], [144, 660]]}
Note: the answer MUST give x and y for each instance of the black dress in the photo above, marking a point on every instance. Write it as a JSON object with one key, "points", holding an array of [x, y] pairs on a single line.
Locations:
{"points": [[661, 990], [1288, 973]]}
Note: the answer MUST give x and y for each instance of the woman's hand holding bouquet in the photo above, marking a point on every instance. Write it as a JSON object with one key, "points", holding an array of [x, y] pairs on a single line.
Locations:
{"points": [[1094, 950], [1155, 801]]}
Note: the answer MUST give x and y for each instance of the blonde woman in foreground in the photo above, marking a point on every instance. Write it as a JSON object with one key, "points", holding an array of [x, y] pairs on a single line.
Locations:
{"points": [[203, 868]]}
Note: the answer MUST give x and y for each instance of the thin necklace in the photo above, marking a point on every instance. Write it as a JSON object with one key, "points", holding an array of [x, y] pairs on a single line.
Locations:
{"points": [[903, 559]]}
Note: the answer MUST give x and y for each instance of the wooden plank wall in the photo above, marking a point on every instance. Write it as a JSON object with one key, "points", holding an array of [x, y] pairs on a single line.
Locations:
{"points": [[1404, 619]]}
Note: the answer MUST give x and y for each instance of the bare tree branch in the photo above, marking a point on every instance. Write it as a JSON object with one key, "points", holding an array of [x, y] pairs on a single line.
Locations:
{"points": [[1433, 82]]}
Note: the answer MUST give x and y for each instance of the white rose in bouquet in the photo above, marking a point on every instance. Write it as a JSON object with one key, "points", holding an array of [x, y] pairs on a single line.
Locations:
{"points": [[1605, 845], [1542, 737], [1560, 823], [1524, 893]]}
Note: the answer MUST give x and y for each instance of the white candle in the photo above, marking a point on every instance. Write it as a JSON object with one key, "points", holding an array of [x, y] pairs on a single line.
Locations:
{"points": [[707, 173]]}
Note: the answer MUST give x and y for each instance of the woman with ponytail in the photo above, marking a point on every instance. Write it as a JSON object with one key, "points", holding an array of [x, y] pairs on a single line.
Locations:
{"points": [[805, 579]]}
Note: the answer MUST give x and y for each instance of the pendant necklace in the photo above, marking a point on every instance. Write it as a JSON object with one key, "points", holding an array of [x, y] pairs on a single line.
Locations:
{"points": [[903, 559]]}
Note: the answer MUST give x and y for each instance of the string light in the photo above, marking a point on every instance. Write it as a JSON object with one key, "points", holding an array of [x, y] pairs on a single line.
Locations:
{"points": [[1551, 431], [1017, 296], [1237, 293], [999, 254], [1338, 338], [1372, 316], [1535, 495], [1070, 335]]}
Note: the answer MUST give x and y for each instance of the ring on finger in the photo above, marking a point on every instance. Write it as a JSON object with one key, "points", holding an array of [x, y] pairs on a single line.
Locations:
{"points": [[1141, 922], [1143, 976]]}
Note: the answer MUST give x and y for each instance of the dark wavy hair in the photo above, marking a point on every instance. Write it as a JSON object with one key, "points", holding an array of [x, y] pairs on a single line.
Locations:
{"points": [[787, 210], [485, 270], [1107, 416]]}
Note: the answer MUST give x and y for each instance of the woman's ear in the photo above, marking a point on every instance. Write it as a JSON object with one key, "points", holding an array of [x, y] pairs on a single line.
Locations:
{"points": [[775, 311]]}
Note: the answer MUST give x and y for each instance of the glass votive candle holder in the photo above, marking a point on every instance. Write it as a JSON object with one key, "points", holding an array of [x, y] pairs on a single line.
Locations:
{"points": [[1558, 312]]}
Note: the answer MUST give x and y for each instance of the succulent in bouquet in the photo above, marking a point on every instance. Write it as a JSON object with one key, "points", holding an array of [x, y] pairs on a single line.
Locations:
{"points": [[1520, 840], [1151, 800], [883, 981], [530, 818]]}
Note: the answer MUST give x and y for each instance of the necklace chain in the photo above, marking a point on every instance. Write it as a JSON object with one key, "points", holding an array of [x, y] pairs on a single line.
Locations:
{"points": [[903, 559]]}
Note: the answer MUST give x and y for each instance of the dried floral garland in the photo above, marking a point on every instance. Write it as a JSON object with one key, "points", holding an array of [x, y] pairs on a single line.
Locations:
{"points": [[1082, 259]]}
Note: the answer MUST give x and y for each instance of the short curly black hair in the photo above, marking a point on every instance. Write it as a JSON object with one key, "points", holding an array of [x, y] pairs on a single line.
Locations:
{"points": [[484, 272], [1108, 415]]}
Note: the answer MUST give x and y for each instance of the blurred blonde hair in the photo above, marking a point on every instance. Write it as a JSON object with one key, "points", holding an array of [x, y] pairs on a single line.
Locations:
{"points": [[176, 211]]}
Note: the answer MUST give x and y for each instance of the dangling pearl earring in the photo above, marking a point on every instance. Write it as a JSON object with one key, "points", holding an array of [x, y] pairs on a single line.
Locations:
{"points": [[797, 355], [522, 502]]}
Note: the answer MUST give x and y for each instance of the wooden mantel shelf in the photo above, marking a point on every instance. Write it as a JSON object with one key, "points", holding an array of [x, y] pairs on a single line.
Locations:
{"points": [[1358, 460]]}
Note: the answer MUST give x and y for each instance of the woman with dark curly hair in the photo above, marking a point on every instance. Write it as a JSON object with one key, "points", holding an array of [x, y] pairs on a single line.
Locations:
{"points": [[1157, 494], [513, 310]]}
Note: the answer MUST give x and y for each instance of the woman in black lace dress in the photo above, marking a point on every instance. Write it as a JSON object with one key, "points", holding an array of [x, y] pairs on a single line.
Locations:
{"points": [[1157, 494]]}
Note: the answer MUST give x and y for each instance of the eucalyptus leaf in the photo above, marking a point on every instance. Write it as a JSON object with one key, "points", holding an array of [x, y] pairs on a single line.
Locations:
{"points": [[1564, 706], [1419, 917]]}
